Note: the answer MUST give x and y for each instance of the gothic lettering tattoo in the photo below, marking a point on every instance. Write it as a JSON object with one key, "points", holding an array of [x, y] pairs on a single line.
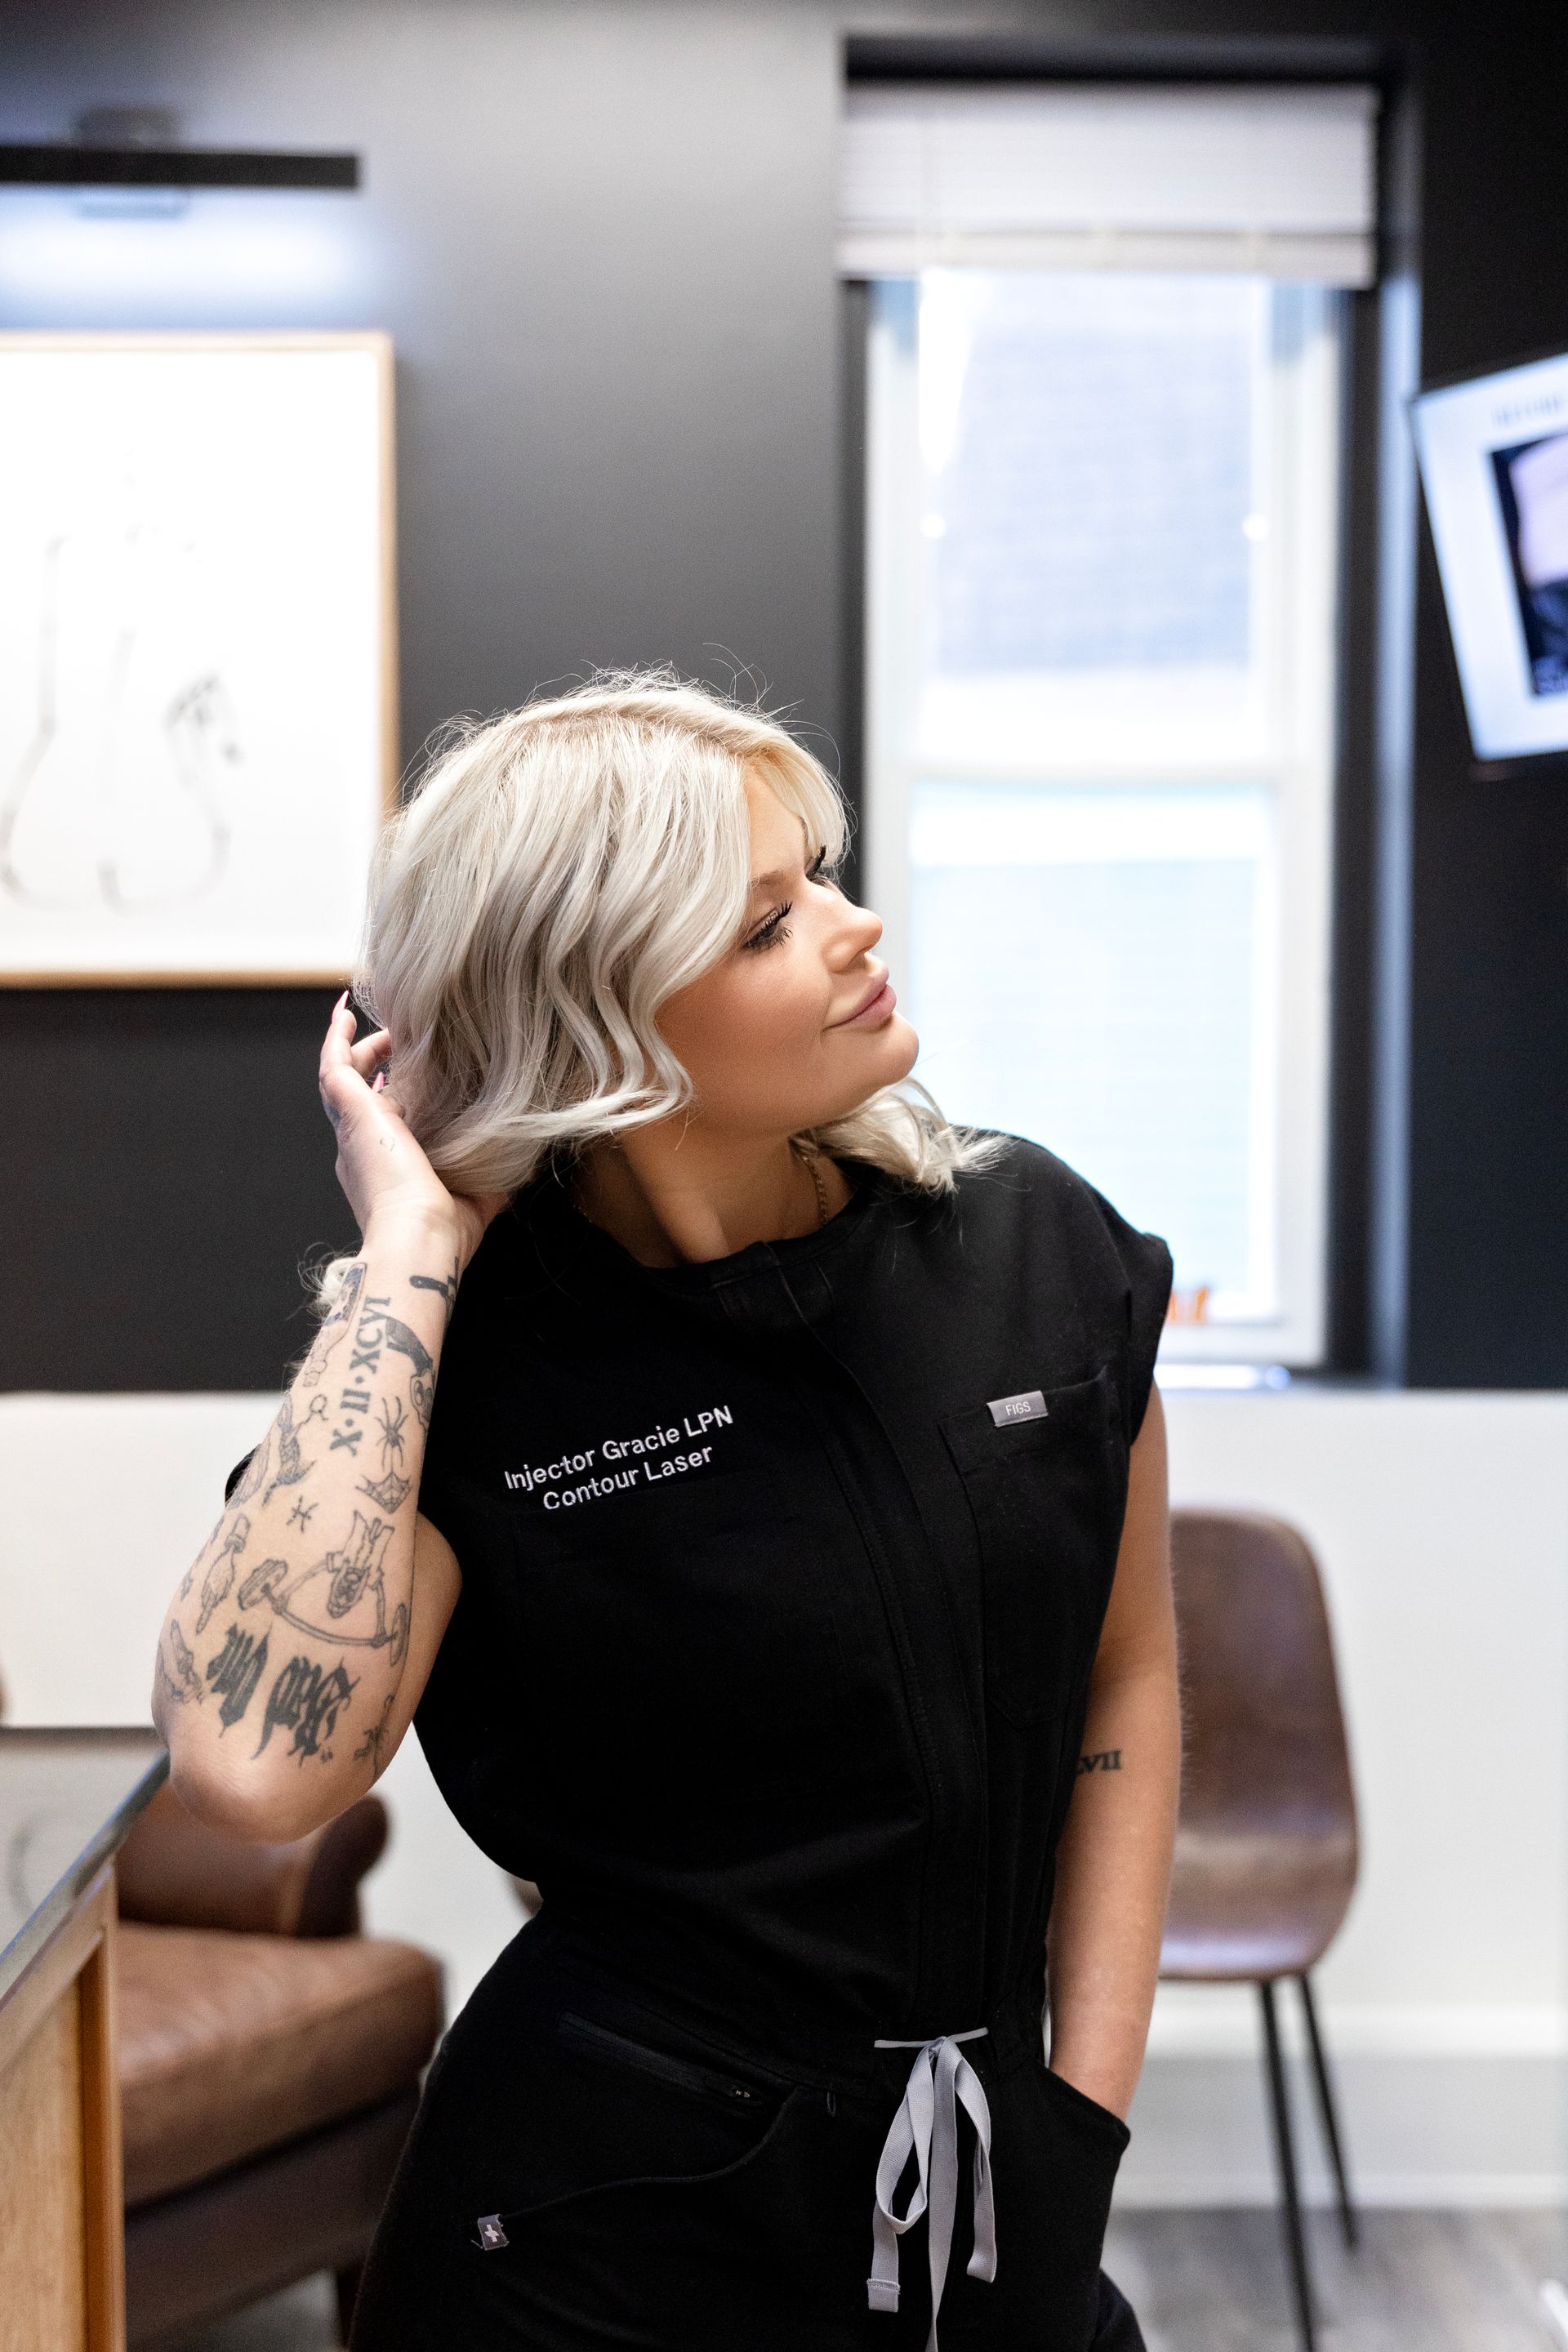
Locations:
{"points": [[375, 1737], [235, 1673], [219, 1577], [306, 1699], [356, 1592], [1104, 1759]]}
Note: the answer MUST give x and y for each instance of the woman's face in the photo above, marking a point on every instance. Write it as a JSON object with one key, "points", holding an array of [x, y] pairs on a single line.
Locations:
{"points": [[797, 1024]]}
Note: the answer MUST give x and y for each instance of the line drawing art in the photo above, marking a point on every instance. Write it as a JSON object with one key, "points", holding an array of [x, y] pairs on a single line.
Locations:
{"points": [[198, 722], [118, 799]]}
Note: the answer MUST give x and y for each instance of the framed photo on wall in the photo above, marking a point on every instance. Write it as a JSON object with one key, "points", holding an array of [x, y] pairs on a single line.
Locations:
{"points": [[199, 701]]}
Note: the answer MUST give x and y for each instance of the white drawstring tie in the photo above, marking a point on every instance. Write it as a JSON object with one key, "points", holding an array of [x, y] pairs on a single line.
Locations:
{"points": [[926, 2126]]}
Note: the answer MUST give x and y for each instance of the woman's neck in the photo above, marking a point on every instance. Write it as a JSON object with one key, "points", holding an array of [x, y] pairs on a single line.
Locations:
{"points": [[673, 1196]]}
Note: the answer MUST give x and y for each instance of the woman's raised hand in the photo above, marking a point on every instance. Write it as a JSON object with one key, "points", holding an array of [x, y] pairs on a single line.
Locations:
{"points": [[380, 1165]]}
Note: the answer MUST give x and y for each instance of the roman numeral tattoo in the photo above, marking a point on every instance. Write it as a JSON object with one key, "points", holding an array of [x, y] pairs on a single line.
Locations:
{"points": [[1104, 1759]]}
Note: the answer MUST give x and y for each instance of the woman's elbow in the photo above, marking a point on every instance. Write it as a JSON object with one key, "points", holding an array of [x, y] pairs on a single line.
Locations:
{"points": [[254, 1811]]}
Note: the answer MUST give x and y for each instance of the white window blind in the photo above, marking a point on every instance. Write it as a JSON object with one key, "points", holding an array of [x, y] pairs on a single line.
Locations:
{"points": [[1275, 182]]}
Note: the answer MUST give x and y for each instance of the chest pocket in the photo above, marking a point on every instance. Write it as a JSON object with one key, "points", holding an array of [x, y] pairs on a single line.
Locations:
{"points": [[1048, 1497], [682, 1656]]}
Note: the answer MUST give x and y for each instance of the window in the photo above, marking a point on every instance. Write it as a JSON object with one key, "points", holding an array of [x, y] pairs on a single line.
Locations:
{"points": [[1100, 693]]}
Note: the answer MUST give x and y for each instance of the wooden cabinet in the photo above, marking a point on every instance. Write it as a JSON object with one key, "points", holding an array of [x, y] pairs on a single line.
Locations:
{"points": [[66, 1801]]}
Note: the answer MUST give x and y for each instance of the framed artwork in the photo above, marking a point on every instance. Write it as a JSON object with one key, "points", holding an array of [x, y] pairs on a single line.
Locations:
{"points": [[198, 722]]}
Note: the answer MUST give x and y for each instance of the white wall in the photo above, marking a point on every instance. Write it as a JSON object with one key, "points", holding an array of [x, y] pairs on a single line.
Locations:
{"points": [[1441, 1522]]}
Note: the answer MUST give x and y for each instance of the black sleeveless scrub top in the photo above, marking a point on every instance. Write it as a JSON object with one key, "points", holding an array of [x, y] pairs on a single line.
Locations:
{"points": [[782, 1577]]}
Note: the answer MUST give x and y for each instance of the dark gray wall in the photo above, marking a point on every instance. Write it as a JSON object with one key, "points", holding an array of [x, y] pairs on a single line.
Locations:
{"points": [[600, 235]]}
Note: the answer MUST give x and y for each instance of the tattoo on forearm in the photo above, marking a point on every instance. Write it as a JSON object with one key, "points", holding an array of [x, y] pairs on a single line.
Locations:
{"points": [[306, 1699], [357, 1576], [332, 1328], [189, 1577], [390, 1491], [291, 1462], [422, 1387], [219, 1578], [446, 1284], [234, 1674], [1104, 1759], [254, 1470], [180, 1680], [375, 1737], [303, 1513]]}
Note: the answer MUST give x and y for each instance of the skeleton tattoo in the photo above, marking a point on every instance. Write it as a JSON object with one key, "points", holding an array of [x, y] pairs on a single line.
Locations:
{"points": [[354, 1577]]}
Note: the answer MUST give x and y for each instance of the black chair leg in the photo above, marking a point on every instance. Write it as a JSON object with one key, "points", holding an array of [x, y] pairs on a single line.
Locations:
{"points": [[1284, 2148], [1326, 2109]]}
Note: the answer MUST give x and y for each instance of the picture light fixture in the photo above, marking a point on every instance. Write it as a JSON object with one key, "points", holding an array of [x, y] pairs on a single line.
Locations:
{"points": [[139, 147]]}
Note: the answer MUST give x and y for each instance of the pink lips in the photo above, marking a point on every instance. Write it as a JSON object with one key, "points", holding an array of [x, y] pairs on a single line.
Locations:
{"points": [[876, 1008]]}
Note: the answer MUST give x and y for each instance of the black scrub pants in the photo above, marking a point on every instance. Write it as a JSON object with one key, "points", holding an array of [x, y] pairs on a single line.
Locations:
{"points": [[587, 2173]]}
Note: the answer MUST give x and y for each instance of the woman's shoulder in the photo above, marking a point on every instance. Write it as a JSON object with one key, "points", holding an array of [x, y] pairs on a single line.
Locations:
{"points": [[1056, 1240], [1012, 1184], [1003, 1167]]}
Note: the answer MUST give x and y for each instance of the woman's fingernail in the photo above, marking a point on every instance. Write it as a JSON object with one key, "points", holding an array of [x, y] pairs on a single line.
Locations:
{"points": [[378, 1082], [339, 1004]]}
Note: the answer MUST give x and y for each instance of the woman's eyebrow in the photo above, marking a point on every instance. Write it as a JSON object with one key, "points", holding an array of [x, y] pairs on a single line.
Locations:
{"points": [[770, 881]]}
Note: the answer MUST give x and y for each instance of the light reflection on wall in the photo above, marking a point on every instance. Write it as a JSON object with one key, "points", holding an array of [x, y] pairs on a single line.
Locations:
{"points": [[226, 258]]}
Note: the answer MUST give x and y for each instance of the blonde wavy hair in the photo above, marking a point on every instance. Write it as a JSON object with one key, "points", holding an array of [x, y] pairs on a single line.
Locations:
{"points": [[557, 873]]}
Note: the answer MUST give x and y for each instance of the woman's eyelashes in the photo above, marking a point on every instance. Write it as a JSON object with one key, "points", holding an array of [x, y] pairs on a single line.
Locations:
{"points": [[774, 926], [771, 927]]}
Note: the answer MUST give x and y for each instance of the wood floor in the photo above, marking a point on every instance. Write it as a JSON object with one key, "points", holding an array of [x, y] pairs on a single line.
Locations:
{"points": [[1214, 2281]]}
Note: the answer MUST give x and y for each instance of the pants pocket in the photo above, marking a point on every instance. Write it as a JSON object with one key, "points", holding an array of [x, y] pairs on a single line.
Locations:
{"points": [[1080, 2145], [592, 2108]]}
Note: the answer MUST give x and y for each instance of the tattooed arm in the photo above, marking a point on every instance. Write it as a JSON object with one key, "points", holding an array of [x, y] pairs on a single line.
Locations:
{"points": [[1114, 1864], [297, 1643]]}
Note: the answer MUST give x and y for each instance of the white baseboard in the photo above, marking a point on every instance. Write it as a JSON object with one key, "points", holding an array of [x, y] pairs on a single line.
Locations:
{"points": [[1430, 2128], [1409, 2191]]}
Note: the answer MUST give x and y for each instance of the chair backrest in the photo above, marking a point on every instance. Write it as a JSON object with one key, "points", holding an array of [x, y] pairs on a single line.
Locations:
{"points": [[173, 1871], [1264, 1734]]}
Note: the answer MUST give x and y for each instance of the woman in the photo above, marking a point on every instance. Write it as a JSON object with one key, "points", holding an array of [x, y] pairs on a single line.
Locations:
{"points": [[771, 1547]]}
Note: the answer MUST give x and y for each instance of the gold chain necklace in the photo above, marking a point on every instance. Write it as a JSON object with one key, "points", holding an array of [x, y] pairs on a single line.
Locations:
{"points": [[820, 1188]]}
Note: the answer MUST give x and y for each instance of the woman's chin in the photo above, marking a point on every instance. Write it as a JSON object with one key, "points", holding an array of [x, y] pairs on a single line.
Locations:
{"points": [[892, 1051], [903, 1047]]}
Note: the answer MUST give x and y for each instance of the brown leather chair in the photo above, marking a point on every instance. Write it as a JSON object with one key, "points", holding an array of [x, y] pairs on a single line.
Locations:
{"points": [[270, 2058], [1266, 1849]]}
